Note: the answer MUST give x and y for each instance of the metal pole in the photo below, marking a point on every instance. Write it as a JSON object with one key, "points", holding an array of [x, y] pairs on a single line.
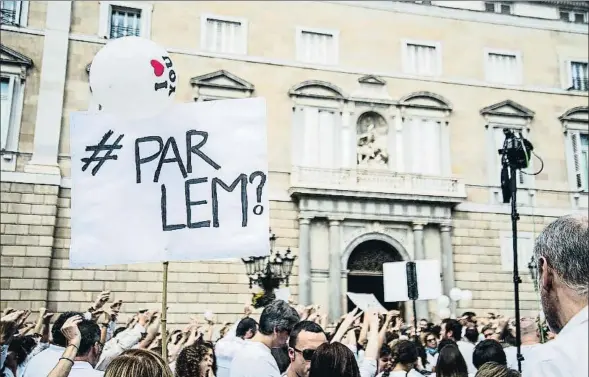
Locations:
{"points": [[415, 337], [516, 278], [164, 314]]}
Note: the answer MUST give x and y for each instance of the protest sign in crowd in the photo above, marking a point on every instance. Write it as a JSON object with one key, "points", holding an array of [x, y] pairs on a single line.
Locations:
{"points": [[295, 341]]}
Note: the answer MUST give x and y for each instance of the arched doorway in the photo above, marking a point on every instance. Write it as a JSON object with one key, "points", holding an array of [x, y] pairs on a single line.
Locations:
{"points": [[365, 270]]}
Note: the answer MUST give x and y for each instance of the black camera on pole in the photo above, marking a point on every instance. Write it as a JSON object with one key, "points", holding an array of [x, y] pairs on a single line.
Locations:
{"points": [[515, 155]]}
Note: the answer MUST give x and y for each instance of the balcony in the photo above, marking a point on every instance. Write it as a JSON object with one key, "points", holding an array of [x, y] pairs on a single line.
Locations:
{"points": [[380, 184]]}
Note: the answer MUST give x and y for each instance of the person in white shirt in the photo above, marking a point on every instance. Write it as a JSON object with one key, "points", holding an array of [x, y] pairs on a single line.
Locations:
{"points": [[232, 342], [452, 329], [561, 252], [530, 341], [88, 352], [255, 358], [41, 364]]}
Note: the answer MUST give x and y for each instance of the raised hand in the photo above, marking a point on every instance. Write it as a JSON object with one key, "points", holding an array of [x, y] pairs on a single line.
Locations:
{"points": [[102, 299], [71, 332]]}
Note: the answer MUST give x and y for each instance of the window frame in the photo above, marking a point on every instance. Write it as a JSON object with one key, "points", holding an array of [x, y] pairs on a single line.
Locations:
{"points": [[578, 128], [203, 32], [299, 44], [519, 61], [22, 14], [571, 15], [497, 7], [507, 252], [405, 56], [18, 80], [106, 8], [568, 69]]}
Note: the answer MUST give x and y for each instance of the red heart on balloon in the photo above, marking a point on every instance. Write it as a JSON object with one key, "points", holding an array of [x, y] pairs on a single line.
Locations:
{"points": [[158, 68]]}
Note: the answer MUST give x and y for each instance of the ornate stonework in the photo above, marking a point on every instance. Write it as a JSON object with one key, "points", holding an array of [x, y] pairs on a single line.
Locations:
{"points": [[372, 148]]}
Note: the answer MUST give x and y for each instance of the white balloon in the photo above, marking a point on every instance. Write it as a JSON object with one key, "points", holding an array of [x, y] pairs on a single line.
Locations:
{"points": [[208, 316], [443, 301], [455, 294], [466, 296], [133, 77], [444, 313]]}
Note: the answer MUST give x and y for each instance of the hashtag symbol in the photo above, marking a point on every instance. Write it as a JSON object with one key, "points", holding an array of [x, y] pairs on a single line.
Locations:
{"points": [[102, 147]]}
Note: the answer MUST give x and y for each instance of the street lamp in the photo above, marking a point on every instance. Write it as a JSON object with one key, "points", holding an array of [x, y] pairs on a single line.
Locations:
{"points": [[269, 271]]}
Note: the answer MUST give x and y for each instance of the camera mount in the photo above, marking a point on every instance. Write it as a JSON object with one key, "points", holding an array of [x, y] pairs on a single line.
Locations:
{"points": [[515, 155]]}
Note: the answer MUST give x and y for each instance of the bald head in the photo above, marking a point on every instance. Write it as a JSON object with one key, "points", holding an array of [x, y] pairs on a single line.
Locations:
{"points": [[564, 244]]}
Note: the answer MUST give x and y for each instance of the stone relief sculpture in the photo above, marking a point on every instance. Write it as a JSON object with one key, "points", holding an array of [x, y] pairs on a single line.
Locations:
{"points": [[371, 150]]}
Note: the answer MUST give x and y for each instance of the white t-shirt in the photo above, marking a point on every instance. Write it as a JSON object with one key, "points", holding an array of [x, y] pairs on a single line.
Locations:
{"points": [[254, 360], [467, 349], [565, 356], [511, 354], [43, 363]]}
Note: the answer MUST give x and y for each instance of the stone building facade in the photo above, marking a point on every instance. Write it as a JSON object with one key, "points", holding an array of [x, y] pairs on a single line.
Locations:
{"points": [[384, 120]]}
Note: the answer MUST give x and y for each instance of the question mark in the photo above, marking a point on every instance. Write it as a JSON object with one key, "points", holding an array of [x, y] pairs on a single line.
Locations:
{"points": [[258, 209]]}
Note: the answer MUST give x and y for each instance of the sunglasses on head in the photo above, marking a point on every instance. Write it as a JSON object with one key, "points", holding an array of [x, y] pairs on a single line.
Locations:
{"points": [[307, 354]]}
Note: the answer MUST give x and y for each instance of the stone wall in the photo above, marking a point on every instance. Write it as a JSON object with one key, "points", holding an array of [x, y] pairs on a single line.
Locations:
{"points": [[35, 242], [477, 262], [27, 227]]}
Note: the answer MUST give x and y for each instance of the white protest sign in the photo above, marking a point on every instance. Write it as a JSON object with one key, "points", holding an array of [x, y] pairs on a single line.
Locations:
{"points": [[429, 284], [366, 301], [189, 184]]}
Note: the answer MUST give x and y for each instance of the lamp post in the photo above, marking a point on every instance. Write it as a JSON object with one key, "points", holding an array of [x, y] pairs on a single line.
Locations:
{"points": [[268, 272]]}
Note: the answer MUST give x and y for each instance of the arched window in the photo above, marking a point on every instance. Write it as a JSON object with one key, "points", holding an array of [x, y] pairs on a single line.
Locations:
{"points": [[425, 128], [575, 124], [316, 124]]}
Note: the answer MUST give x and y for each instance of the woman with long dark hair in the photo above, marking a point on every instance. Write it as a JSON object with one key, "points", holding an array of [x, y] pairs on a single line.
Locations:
{"points": [[451, 363]]}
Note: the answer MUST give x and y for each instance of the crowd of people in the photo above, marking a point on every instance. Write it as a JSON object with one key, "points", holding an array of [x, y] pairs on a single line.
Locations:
{"points": [[288, 340]]}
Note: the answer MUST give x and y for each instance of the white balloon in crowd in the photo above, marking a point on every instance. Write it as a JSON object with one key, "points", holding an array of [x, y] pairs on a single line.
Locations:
{"points": [[456, 294], [443, 302], [466, 296], [133, 77], [209, 315], [444, 313]]}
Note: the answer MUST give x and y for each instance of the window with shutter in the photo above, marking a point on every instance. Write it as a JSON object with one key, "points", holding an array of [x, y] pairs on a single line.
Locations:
{"points": [[124, 22], [224, 35], [11, 12], [579, 76], [319, 138], [422, 134], [6, 94], [503, 68], [319, 47], [422, 59], [580, 149]]}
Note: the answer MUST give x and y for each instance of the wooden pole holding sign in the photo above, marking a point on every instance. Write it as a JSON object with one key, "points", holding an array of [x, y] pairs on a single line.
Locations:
{"points": [[165, 314]]}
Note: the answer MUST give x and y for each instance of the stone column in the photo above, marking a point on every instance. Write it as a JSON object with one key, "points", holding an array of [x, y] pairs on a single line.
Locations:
{"points": [[51, 89], [305, 293], [419, 245], [335, 270], [448, 281]]}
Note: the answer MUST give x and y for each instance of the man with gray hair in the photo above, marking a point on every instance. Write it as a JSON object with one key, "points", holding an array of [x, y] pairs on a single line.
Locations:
{"points": [[562, 254], [255, 358]]}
